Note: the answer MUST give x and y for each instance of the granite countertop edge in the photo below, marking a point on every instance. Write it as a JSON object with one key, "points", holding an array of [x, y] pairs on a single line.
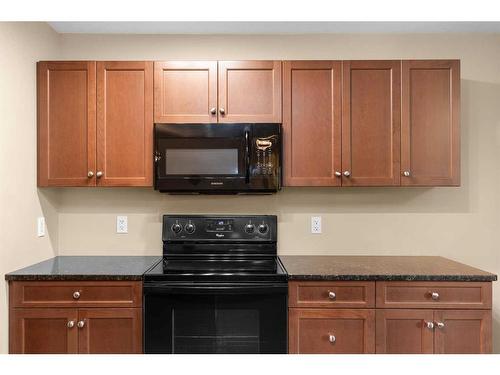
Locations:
{"points": [[479, 278], [85, 277]]}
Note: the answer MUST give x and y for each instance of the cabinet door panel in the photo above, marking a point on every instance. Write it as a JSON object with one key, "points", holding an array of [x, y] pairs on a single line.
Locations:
{"points": [[125, 123], [66, 123], [311, 331], [185, 91], [430, 149], [371, 123], [464, 332], [43, 331], [312, 122], [404, 332], [250, 91], [110, 331]]}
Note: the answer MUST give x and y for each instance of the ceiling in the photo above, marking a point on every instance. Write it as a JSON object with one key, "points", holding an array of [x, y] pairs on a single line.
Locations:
{"points": [[272, 27]]}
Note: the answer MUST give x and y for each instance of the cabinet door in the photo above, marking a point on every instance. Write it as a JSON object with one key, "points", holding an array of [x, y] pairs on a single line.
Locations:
{"points": [[250, 91], [462, 331], [43, 331], [312, 122], [66, 123], [404, 332], [371, 123], [430, 134], [185, 91], [325, 331], [110, 331], [124, 123]]}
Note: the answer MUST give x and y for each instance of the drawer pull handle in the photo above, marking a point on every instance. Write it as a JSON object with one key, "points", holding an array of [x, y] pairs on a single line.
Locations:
{"points": [[81, 324], [435, 296], [440, 325], [332, 338], [332, 295], [429, 325], [76, 295], [71, 324]]}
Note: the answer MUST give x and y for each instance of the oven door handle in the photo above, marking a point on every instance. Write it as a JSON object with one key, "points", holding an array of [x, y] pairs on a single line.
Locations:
{"points": [[247, 157], [274, 288]]}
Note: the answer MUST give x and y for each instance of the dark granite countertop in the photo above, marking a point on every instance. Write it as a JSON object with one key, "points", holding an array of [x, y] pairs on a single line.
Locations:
{"points": [[86, 268], [388, 268]]}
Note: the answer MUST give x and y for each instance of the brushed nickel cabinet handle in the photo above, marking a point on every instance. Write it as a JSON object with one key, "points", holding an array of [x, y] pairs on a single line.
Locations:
{"points": [[81, 324], [332, 338], [71, 324], [76, 295], [338, 174], [332, 295], [429, 325], [406, 173], [213, 110], [435, 296], [222, 110], [440, 325], [90, 174], [99, 174], [347, 173]]}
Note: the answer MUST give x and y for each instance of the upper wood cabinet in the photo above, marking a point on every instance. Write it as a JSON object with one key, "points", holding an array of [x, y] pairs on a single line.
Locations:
{"points": [[66, 123], [430, 154], [371, 123], [70, 151], [250, 91], [185, 92], [125, 123], [312, 123], [211, 91]]}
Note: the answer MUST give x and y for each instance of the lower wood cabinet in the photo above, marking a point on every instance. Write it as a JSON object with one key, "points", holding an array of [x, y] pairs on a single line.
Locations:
{"points": [[84, 326], [440, 318]]}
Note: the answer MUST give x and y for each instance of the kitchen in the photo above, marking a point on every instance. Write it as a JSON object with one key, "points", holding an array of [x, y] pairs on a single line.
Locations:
{"points": [[454, 217]]}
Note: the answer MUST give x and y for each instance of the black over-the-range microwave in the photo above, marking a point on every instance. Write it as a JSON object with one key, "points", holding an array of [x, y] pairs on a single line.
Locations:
{"points": [[218, 158]]}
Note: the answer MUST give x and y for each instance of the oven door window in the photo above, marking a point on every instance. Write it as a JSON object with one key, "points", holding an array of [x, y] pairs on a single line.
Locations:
{"points": [[221, 323], [187, 157]]}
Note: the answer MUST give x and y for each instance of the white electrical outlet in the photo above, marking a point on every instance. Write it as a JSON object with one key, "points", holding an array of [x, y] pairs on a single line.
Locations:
{"points": [[121, 224], [315, 224], [40, 226]]}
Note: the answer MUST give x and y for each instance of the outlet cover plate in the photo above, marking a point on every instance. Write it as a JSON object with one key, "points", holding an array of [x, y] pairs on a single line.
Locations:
{"points": [[316, 224], [121, 224], [40, 226]]}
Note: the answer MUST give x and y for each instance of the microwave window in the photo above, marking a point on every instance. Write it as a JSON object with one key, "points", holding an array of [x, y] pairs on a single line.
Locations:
{"points": [[198, 161]]}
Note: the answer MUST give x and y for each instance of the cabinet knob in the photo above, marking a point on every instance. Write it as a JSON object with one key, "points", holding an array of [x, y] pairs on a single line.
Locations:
{"points": [[81, 324], [332, 295], [435, 296], [99, 174], [76, 295], [338, 174], [213, 110], [332, 338], [429, 325], [406, 173], [222, 110], [440, 325], [347, 173], [71, 324], [90, 174]]}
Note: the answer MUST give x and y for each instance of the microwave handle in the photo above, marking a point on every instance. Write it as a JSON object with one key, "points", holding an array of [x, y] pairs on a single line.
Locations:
{"points": [[247, 157]]}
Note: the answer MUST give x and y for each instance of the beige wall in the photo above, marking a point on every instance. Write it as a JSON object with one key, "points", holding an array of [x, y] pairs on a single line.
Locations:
{"points": [[21, 45], [460, 223]]}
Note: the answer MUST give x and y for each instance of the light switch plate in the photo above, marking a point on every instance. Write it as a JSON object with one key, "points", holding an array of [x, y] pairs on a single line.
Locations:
{"points": [[121, 224], [316, 224], [40, 226]]}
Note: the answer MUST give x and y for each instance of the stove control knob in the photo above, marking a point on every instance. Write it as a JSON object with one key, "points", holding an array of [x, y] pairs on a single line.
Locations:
{"points": [[249, 228], [176, 228], [263, 228], [190, 228]]}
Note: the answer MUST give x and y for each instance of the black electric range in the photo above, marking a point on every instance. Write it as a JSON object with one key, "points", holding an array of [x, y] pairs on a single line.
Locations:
{"points": [[220, 287]]}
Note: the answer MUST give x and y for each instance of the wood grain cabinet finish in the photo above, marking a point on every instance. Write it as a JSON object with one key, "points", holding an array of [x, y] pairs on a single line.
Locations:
{"points": [[249, 91], [404, 332], [66, 123], [329, 331], [124, 123], [339, 294], [75, 317], [312, 123], [371, 123], [185, 91], [443, 295], [430, 134]]}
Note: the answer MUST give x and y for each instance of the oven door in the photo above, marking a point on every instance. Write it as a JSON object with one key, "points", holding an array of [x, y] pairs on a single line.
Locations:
{"points": [[201, 157], [215, 318]]}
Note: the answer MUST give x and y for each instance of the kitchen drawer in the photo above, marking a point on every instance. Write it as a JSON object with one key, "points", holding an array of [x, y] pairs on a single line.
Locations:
{"points": [[330, 331], [332, 294], [440, 294], [76, 294]]}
